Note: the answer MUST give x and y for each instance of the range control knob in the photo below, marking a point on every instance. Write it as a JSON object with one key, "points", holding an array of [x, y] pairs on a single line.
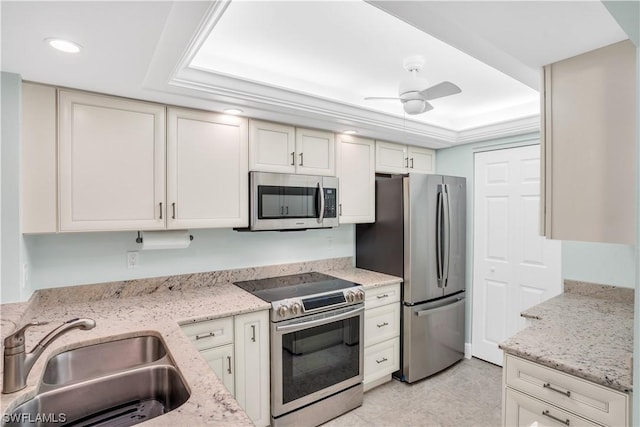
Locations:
{"points": [[360, 295], [282, 310], [296, 308], [351, 296]]}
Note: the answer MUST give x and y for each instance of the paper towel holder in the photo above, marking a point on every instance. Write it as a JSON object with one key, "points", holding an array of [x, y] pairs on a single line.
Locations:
{"points": [[139, 238]]}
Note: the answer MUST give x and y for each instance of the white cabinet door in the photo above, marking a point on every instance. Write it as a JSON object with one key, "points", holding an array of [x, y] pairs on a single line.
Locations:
{"points": [[207, 171], [356, 171], [220, 359], [421, 160], [252, 360], [39, 159], [391, 158], [272, 147], [522, 410], [111, 163], [589, 146], [315, 152]]}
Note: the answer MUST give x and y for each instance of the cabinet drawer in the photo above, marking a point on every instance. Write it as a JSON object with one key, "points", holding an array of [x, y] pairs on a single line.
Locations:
{"points": [[383, 295], [588, 399], [210, 333], [381, 360], [381, 323], [523, 410]]}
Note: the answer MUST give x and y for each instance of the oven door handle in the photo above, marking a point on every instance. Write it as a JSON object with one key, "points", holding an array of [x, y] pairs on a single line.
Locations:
{"points": [[304, 325]]}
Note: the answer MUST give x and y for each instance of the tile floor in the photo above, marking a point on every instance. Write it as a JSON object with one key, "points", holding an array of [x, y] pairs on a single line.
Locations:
{"points": [[467, 394]]}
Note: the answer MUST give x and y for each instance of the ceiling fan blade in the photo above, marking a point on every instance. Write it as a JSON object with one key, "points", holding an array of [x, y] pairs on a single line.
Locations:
{"points": [[440, 90], [379, 98], [427, 107]]}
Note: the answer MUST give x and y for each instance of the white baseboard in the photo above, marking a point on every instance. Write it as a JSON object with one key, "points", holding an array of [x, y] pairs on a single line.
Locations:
{"points": [[467, 350]]}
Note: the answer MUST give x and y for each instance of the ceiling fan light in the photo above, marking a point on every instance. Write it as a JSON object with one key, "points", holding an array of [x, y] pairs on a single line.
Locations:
{"points": [[414, 106]]}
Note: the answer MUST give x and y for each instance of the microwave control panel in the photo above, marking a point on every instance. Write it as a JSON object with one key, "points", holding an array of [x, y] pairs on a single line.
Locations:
{"points": [[330, 202]]}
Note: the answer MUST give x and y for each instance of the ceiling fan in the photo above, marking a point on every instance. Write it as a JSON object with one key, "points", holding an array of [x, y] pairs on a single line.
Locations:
{"points": [[414, 92]]}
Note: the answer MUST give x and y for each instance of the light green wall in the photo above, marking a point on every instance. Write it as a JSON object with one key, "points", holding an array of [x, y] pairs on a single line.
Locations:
{"points": [[84, 258], [12, 250]]}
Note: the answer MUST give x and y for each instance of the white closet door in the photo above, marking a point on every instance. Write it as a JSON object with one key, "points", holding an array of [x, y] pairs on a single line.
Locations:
{"points": [[514, 267]]}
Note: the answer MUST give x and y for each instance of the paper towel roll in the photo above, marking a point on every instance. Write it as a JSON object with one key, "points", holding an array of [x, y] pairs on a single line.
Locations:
{"points": [[177, 239]]}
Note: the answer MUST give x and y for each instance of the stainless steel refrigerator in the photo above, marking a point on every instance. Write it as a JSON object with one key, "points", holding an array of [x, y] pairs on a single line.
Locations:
{"points": [[419, 235]]}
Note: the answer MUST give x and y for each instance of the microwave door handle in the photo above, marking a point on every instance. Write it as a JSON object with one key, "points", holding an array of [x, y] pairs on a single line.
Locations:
{"points": [[321, 195]]}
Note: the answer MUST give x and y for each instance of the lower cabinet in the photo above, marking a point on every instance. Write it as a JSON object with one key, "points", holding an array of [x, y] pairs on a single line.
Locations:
{"points": [[381, 334], [538, 395], [237, 350]]}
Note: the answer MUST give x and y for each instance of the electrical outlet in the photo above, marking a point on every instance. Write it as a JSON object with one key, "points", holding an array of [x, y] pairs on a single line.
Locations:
{"points": [[132, 259], [25, 276]]}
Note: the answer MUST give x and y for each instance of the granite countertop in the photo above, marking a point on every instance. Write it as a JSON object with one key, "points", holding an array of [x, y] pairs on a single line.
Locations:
{"points": [[157, 306], [586, 332]]}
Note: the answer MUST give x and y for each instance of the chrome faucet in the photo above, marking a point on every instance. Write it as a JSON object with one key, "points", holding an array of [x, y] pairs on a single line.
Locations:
{"points": [[18, 363]]}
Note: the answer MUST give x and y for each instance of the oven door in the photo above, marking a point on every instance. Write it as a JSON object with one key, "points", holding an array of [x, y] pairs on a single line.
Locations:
{"points": [[315, 356]]}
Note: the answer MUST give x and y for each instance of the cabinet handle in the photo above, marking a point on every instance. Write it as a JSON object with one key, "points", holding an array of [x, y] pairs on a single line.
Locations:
{"points": [[384, 359], [547, 414], [381, 325], [281, 210], [160, 210], [253, 333], [287, 210], [173, 206], [550, 387], [406, 162], [411, 163], [301, 159], [340, 209], [229, 364], [382, 296], [293, 158], [210, 334]]}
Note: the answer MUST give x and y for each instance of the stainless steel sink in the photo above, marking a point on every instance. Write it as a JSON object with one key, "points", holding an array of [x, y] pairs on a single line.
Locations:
{"points": [[101, 359], [117, 383], [121, 399]]}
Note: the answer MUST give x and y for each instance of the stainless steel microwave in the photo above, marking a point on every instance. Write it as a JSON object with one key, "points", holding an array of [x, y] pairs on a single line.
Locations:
{"points": [[281, 201]]}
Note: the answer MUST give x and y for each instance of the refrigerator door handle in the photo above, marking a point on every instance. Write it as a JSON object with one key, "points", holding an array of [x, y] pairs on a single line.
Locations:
{"points": [[439, 206], [429, 311], [447, 234]]}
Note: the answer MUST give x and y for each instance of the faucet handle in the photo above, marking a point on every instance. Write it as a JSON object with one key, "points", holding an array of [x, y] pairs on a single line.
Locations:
{"points": [[16, 339]]}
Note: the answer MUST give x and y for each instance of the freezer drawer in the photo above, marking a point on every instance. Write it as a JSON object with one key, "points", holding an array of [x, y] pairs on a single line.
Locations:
{"points": [[432, 337]]}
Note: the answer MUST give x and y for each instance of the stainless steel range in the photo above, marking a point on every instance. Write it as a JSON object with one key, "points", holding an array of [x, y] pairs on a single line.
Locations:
{"points": [[317, 353]]}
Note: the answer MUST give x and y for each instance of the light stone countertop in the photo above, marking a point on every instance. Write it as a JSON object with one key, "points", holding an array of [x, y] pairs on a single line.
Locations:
{"points": [[157, 306], [586, 332], [368, 279]]}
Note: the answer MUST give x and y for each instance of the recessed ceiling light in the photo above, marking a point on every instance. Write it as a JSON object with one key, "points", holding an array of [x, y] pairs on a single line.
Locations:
{"points": [[63, 45], [233, 111], [350, 132]]}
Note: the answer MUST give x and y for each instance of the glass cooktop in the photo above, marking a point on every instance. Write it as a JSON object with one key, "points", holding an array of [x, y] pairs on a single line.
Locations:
{"points": [[296, 285]]}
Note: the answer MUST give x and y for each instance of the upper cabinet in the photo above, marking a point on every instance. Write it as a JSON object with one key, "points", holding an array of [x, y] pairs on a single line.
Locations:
{"points": [[397, 158], [107, 169], [588, 143], [272, 147], [280, 148], [356, 173], [111, 154], [39, 164], [315, 151], [207, 170]]}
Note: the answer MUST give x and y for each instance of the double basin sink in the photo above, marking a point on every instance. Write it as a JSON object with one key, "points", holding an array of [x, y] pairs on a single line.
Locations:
{"points": [[116, 383]]}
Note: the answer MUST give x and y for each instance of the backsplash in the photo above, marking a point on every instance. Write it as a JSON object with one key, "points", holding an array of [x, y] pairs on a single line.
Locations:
{"points": [[139, 287]]}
